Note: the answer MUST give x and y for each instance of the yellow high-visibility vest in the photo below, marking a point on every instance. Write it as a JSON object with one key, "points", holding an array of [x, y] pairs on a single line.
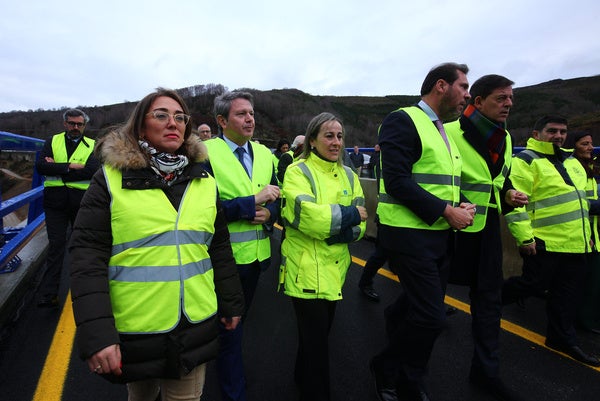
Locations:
{"points": [[80, 156], [437, 171], [160, 267], [249, 242], [476, 182]]}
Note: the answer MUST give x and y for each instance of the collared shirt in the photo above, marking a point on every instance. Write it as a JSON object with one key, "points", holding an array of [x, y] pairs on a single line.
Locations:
{"points": [[439, 124], [71, 144], [247, 158], [428, 110]]}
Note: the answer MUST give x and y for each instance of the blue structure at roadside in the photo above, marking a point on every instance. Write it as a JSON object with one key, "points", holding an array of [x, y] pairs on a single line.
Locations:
{"points": [[12, 239]]}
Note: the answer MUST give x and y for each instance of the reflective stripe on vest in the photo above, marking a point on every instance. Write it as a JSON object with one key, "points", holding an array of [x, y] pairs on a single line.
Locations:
{"points": [[426, 179], [591, 194], [249, 242], [477, 184], [437, 171], [79, 156], [557, 212], [556, 204], [552, 209], [160, 267]]}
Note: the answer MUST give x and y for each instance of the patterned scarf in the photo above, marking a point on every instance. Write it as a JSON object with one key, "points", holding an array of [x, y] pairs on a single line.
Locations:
{"points": [[494, 134], [168, 166]]}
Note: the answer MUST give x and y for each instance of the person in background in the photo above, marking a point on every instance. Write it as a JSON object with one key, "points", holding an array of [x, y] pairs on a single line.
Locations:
{"points": [[68, 164], [152, 272], [204, 132], [283, 146], [588, 316], [346, 161], [290, 156], [323, 213], [419, 206], [357, 159], [248, 189], [485, 147], [553, 233], [378, 258], [374, 165]]}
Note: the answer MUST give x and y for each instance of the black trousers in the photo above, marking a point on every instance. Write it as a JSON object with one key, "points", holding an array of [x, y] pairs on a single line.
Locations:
{"points": [[230, 364], [314, 317], [418, 316], [58, 222], [374, 263], [589, 309], [558, 277], [477, 262]]}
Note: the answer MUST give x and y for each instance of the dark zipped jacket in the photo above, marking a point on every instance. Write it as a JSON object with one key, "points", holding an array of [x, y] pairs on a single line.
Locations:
{"points": [[164, 355]]}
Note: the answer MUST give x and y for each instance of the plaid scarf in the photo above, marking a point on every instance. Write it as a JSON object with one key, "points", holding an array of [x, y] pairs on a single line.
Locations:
{"points": [[494, 134]]}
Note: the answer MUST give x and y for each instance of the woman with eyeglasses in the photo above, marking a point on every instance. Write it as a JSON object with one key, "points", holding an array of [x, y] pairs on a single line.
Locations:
{"points": [[324, 211], [152, 270]]}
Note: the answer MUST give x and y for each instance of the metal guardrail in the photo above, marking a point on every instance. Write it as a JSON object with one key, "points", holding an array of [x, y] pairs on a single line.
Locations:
{"points": [[12, 239]]}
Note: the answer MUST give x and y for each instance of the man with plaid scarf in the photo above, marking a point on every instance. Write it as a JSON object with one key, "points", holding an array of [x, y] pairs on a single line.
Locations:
{"points": [[486, 149]]}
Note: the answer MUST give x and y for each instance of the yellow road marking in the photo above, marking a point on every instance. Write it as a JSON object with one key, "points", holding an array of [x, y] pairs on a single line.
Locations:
{"points": [[51, 383], [52, 380], [512, 328]]}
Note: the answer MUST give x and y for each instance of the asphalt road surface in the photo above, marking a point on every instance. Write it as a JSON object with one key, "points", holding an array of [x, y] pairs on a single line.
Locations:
{"points": [[37, 361]]}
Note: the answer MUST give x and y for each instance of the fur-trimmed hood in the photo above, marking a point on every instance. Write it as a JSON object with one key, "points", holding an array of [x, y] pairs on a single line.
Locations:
{"points": [[119, 151]]}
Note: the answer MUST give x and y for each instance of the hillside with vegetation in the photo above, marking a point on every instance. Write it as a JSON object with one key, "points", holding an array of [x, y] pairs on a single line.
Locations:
{"points": [[285, 112]]}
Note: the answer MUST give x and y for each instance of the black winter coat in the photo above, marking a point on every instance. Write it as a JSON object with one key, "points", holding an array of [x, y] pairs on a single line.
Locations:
{"points": [[165, 355]]}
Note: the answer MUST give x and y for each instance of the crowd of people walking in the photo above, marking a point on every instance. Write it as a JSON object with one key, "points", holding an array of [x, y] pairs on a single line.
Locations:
{"points": [[171, 230]]}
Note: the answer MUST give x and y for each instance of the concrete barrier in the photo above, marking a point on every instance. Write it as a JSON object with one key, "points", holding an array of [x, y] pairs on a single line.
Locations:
{"points": [[369, 187], [14, 285], [511, 260]]}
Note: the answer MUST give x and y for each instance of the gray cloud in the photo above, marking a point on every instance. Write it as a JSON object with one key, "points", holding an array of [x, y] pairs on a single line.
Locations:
{"points": [[60, 53]]}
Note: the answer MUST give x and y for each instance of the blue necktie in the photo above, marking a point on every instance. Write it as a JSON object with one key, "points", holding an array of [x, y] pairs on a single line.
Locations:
{"points": [[240, 154]]}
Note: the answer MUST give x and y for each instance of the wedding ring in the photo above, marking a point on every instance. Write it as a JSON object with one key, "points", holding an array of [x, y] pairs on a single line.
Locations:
{"points": [[98, 369]]}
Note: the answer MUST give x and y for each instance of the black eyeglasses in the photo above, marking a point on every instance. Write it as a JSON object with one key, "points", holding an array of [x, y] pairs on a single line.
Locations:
{"points": [[163, 117], [74, 124]]}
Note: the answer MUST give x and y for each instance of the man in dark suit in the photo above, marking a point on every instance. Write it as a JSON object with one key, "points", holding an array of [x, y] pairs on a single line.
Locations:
{"points": [[419, 206], [486, 150], [357, 159], [249, 193]]}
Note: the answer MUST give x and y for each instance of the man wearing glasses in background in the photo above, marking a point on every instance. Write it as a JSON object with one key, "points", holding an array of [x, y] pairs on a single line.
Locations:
{"points": [[67, 163], [204, 132]]}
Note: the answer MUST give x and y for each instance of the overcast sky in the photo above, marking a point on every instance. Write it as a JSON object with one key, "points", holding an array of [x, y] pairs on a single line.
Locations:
{"points": [[65, 53]]}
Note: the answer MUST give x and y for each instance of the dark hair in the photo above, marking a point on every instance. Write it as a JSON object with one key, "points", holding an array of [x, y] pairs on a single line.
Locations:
{"points": [[282, 141], [541, 123], [487, 84], [75, 113], [573, 137], [312, 130], [222, 104], [447, 71], [137, 119], [570, 141]]}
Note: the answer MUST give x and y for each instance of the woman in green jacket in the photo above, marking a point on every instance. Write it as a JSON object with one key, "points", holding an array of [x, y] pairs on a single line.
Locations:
{"points": [[323, 213]]}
